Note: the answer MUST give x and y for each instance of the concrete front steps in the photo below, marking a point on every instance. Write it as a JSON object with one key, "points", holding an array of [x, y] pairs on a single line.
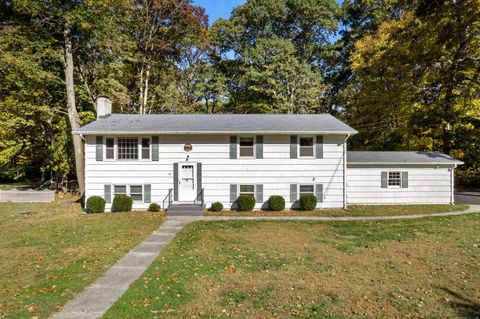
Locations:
{"points": [[185, 210]]}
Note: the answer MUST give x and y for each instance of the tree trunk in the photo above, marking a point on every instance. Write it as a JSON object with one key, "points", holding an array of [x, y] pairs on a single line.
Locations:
{"points": [[72, 111]]}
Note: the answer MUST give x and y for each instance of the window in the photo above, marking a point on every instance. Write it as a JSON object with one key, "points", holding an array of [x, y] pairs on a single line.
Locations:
{"points": [[119, 190], [127, 148], [247, 190], [306, 146], [136, 192], [306, 190], [145, 148], [110, 148], [246, 146], [394, 179]]}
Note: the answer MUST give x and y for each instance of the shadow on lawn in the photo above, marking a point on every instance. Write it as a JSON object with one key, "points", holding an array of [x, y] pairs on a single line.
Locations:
{"points": [[466, 307]]}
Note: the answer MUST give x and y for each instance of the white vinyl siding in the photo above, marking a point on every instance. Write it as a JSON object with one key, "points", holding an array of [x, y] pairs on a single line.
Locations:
{"points": [[275, 171], [426, 185]]}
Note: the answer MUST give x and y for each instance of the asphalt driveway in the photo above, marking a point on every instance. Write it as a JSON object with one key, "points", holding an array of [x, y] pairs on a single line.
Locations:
{"points": [[470, 198]]}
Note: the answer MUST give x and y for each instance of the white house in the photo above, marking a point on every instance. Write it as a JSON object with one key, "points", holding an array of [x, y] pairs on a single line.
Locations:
{"points": [[197, 159]]}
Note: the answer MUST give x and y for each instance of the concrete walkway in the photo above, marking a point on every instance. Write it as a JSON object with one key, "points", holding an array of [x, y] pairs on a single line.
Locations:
{"points": [[96, 299]]}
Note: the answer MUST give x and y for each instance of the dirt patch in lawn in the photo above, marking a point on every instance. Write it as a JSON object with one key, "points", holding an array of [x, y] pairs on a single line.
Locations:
{"points": [[244, 269]]}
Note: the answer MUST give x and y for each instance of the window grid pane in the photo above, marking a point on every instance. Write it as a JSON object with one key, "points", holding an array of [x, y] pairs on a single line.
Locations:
{"points": [[394, 179], [246, 147], [247, 190], [306, 146], [119, 190], [127, 148], [136, 192], [306, 190], [110, 151]]}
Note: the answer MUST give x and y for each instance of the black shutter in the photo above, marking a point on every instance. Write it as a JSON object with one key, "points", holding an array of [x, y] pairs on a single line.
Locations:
{"points": [[155, 141], [107, 193], [233, 192], [319, 193], [99, 148], [175, 181], [319, 147], [233, 147], [147, 196], [259, 146], [293, 146], [384, 179], [404, 179], [259, 193], [293, 193], [199, 177]]}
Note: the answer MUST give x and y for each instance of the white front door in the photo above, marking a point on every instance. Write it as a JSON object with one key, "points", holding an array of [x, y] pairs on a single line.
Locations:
{"points": [[187, 186]]}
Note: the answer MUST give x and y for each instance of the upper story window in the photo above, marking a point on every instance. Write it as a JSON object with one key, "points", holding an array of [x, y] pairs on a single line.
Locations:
{"points": [[145, 148], [394, 179], [306, 146], [127, 148], [246, 147], [110, 148], [306, 190]]}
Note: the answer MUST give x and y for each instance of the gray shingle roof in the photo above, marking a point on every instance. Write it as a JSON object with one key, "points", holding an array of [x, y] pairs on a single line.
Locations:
{"points": [[215, 124], [354, 157]]}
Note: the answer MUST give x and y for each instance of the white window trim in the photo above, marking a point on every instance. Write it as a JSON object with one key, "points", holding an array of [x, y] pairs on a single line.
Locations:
{"points": [[115, 148], [128, 191], [388, 179], [140, 148], [314, 146], [245, 184], [105, 148], [305, 184], [254, 148]]}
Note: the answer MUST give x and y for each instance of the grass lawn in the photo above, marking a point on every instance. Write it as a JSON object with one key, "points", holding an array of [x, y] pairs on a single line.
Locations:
{"points": [[428, 268], [49, 252], [353, 210]]}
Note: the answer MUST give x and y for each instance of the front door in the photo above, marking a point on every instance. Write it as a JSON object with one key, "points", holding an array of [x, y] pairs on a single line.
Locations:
{"points": [[187, 185]]}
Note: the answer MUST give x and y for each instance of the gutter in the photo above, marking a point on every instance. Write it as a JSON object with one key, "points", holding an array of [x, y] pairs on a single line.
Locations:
{"points": [[210, 132]]}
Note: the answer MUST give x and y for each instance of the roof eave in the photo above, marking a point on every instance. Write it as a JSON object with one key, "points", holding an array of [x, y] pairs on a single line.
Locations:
{"points": [[208, 132], [453, 162]]}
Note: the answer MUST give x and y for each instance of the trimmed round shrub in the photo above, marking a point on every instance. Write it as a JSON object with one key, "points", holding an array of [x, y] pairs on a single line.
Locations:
{"points": [[276, 203], [95, 204], [216, 207], [154, 207], [308, 202], [245, 202], [122, 203]]}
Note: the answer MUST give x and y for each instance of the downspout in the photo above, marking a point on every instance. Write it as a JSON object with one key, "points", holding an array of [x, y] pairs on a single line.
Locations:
{"points": [[452, 185], [345, 172]]}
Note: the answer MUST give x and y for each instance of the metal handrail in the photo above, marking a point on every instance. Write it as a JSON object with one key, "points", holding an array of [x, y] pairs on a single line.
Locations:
{"points": [[169, 198], [200, 194]]}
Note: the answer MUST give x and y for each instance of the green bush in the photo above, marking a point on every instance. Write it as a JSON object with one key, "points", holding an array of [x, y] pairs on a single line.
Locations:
{"points": [[154, 207], [276, 203], [245, 202], [95, 204], [308, 202], [122, 203], [216, 207]]}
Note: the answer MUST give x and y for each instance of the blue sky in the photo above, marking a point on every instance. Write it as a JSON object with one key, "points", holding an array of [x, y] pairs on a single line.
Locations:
{"points": [[221, 8], [218, 8]]}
